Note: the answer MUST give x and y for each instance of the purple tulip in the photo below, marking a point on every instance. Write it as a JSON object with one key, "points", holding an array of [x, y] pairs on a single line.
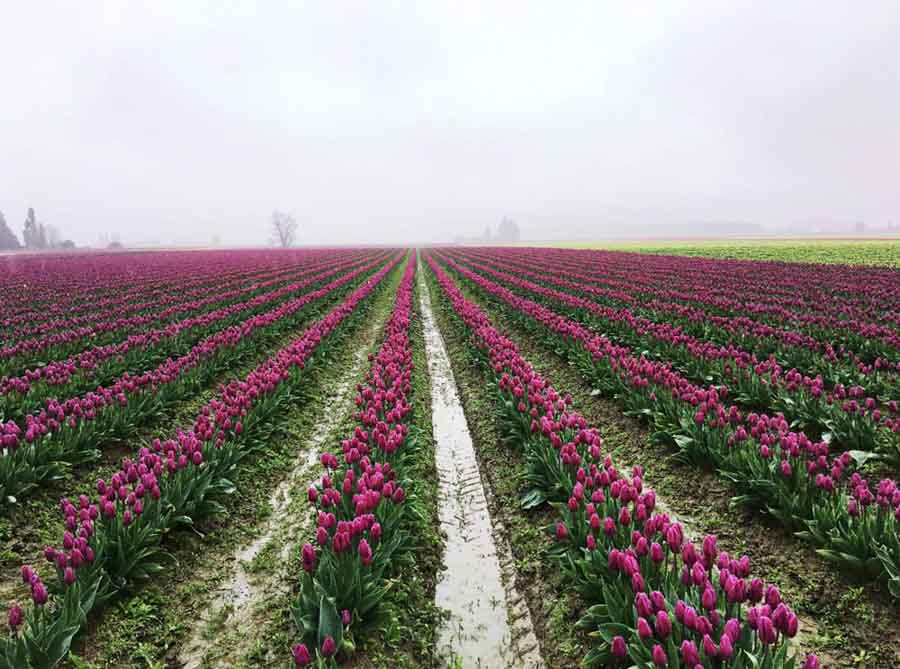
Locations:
{"points": [[365, 552], [328, 647], [309, 558], [812, 662], [689, 653], [301, 655], [643, 629], [619, 649], [39, 593], [708, 599], [346, 617], [659, 656], [726, 648], [561, 531], [663, 625], [765, 630], [15, 617], [733, 629]]}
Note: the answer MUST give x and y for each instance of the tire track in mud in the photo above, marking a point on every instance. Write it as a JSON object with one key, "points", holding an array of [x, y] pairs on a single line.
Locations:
{"points": [[226, 629], [490, 623]]}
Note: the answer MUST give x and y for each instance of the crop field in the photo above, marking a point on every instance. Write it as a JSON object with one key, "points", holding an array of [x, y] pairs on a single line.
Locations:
{"points": [[489, 457], [875, 252]]}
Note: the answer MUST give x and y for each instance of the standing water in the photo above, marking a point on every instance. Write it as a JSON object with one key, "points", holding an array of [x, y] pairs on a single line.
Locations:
{"points": [[478, 633]]}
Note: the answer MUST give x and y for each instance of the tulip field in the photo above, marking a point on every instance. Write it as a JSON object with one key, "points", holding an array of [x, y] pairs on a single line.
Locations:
{"points": [[246, 459]]}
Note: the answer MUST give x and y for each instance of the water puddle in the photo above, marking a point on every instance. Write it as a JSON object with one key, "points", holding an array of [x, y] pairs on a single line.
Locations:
{"points": [[231, 613], [489, 625]]}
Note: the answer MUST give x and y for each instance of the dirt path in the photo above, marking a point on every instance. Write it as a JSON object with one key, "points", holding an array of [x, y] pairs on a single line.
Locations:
{"points": [[260, 571], [489, 625]]}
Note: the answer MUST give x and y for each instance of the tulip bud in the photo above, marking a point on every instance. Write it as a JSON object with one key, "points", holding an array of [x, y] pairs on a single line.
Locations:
{"points": [[765, 629], [708, 599], [328, 647], [301, 655], [733, 629], [726, 647], [663, 625], [15, 617], [659, 656], [39, 593], [619, 649], [689, 653]]}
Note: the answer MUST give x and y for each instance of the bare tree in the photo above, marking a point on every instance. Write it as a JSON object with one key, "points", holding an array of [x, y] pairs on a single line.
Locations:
{"points": [[284, 229]]}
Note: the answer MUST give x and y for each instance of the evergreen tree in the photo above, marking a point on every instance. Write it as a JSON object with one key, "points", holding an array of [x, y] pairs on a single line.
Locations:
{"points": [[30, 233], [8, 240]]}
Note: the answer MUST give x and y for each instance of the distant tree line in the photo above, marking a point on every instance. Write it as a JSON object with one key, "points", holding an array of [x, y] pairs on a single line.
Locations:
{"points": [[36, 235]]}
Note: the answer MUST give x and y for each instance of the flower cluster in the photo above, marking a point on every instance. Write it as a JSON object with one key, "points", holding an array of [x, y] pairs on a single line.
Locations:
{"points": [[113, 540], [360, 500], [679, 605], [759, 452]]}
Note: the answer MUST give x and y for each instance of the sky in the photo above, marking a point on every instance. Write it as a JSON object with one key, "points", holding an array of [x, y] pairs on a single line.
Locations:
{"points": [[177, 122]]}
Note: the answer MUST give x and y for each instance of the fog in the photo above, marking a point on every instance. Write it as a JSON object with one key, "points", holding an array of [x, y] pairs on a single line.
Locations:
{"points": [[420, 121]]}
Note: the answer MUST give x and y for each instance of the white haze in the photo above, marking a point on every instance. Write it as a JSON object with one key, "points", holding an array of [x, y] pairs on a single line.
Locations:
{"points": [[177, 121]]}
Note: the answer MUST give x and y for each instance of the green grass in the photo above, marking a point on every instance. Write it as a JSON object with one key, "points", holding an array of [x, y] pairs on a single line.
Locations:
{"points": [[876, 252]]}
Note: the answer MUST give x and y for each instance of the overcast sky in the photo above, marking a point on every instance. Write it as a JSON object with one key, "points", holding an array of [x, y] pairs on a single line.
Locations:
{"points": [[402, 122]]}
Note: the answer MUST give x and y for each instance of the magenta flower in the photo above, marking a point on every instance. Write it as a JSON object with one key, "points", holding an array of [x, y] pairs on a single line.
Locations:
{"points": [[766, 631], [689, 653], [659, 656], [309, 558], [561, 531], [663, 625], [365, 552], [39, 592], [328, 647], [619, 649], [643, 629], [15, 617], [726, 647], [301, 655]]}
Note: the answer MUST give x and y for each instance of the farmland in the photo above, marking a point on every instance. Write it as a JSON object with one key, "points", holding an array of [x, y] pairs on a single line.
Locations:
{"points": [[878, 252], [462, 456]]}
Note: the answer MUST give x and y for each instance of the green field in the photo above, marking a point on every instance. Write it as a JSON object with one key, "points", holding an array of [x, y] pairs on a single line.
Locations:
{"points": [[883, 252]]}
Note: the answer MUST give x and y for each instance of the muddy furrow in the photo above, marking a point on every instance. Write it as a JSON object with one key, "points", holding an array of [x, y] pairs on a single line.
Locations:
{"points": [[489, 623]]}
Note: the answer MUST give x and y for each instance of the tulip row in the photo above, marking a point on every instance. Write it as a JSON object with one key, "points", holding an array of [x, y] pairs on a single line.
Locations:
{"points": [[361, 505], [102, 363], [38, 287], [115, 541], [850, 298], [792, 348], [69, 432], [59, 316], [865, 320], [654, 599], [848, 417], [776, 470], [16, 356]]}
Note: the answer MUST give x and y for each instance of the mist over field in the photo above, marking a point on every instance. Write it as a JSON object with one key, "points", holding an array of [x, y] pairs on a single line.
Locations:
{"points": [[399, 122]]}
